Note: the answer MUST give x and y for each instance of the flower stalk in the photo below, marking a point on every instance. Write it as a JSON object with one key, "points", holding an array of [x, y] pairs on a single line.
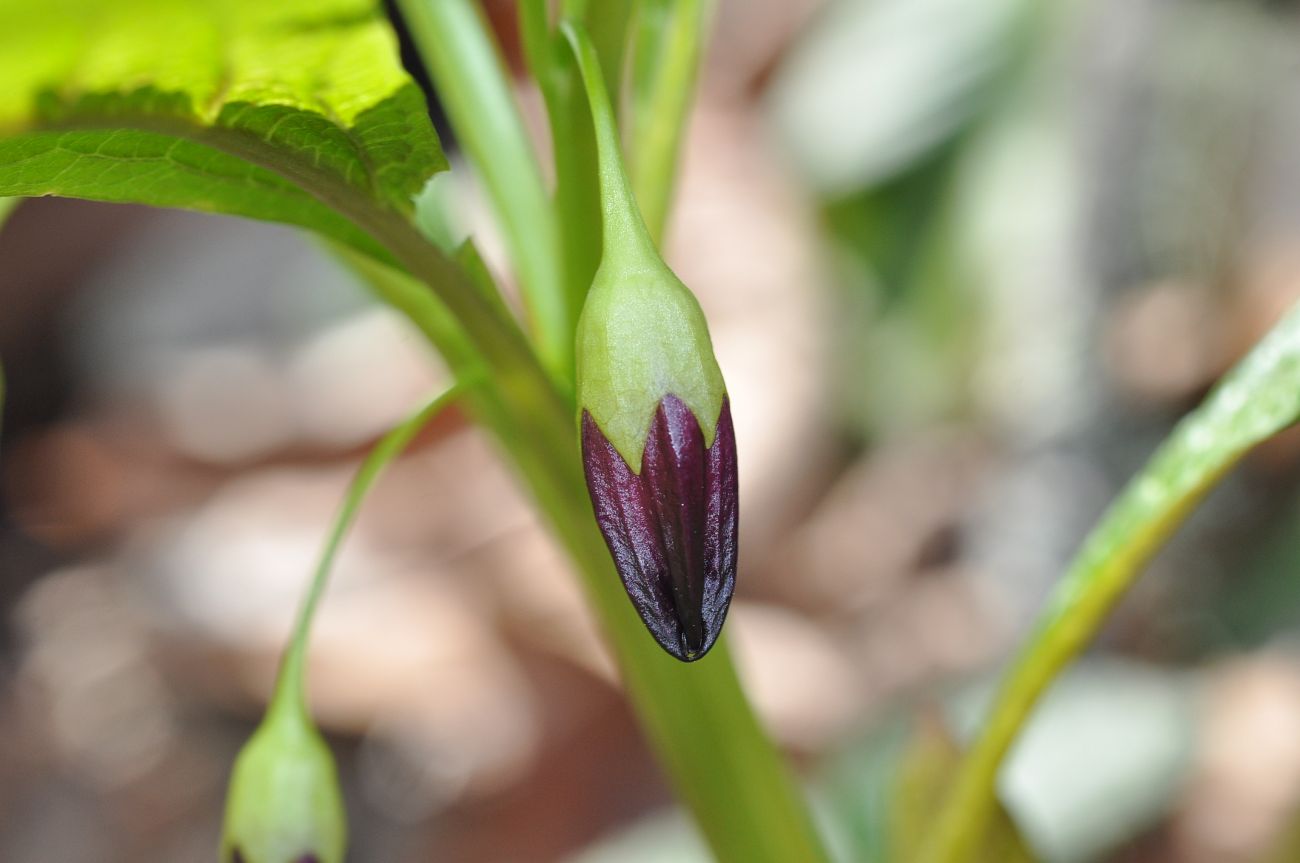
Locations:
{"points": [[658, 446], [284, 803]]}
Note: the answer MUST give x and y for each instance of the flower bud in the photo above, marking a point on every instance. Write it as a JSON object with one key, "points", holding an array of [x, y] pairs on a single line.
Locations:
{"points": [[284, 804], [658, 448], [659, 452], [671, 528]]}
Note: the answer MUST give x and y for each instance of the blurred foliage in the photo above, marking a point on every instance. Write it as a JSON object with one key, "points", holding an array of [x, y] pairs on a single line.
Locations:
{"points": [[884, 791], [1096, 767], [987, 202], [889, 177], [922, 774]]}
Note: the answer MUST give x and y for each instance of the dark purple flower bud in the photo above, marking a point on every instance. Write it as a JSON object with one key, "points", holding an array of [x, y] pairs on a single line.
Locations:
{"points": [[672, 528], [658, 446]]}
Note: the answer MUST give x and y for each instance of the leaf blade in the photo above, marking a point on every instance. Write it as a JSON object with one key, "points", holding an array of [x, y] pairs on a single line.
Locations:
{"points": [[1257, 399], [232, 106]]}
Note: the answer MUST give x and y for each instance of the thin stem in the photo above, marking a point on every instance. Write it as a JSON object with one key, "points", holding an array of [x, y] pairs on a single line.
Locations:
{"points": [[290, 691], [626, 237], [608, 23], [471, 78]]}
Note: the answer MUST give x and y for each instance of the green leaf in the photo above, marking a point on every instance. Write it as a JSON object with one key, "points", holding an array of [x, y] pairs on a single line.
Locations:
{"points": [[270, 110], [1256, 400]]}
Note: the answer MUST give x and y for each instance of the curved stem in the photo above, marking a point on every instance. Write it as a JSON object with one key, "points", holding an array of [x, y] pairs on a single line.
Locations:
{"points": [[290, 692], [626, 237]]}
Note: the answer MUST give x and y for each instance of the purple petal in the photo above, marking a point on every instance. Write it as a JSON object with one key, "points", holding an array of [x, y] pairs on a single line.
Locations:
{"points": [[672, 529]]}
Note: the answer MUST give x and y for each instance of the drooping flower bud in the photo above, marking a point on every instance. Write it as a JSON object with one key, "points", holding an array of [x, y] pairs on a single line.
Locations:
{"points": [[671, 528], [284, 804], [658, 447]]}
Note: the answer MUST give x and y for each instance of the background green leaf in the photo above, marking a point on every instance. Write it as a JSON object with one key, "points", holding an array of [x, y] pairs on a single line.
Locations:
{"points": [[273, 111], [1256, 400]]}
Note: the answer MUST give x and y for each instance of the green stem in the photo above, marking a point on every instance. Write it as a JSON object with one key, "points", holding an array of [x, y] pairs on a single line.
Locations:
{"points": [[670, 35], [471, 78], [625, 235], [608, 22], [290, 692]]}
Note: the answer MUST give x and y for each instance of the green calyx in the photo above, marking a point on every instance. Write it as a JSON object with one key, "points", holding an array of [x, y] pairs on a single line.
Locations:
{"points": [[642, 335], [284, 802]]}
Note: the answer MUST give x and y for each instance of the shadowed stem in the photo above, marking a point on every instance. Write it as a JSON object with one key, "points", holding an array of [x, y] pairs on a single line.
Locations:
{"points": [[473, 83]]}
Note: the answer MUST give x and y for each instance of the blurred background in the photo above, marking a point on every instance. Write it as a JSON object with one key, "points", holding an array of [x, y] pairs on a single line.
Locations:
{"points": [[965, 263]]}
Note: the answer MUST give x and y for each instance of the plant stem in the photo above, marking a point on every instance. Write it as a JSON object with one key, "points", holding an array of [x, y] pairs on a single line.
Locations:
{"points": [[472, 81], [290, 690], [626, 239], [535, 36]]}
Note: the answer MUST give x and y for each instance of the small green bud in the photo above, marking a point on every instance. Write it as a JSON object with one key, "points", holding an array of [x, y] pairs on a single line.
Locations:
{"points": [[284, 804]]}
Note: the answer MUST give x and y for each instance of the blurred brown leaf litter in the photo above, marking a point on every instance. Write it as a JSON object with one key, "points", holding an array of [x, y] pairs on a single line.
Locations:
{"points": [[960, 288]]}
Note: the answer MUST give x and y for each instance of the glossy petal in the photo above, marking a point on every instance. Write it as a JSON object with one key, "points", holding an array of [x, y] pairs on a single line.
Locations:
{"points": [[672, 529]]}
